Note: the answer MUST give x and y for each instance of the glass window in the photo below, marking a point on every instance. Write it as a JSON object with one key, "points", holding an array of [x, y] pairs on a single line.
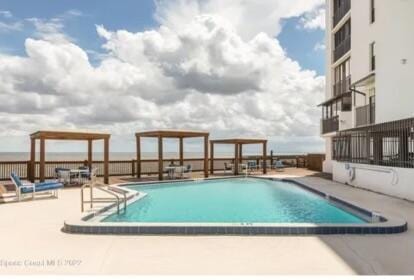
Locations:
{"points": [[372, 11], [372, 54]]}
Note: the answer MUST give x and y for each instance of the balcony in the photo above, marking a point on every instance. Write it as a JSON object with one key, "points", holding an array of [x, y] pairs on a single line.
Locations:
{"points": [[365, 115], [342, 48], [342, 87], [330, 125], [341, 11]]}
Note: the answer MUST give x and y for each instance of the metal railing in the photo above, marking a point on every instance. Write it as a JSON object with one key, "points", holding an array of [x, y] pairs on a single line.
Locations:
{"points": [[330, 125], [365, 115], [342, 48], [386, 144], [340, 12], [115, 195], [129, 167]]}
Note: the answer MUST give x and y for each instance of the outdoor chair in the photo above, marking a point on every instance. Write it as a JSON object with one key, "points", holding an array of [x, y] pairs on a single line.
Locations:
{"points": [[251, 165], [33, 188], [63, 175], [279, 166], [228, 167], [185, 171]]}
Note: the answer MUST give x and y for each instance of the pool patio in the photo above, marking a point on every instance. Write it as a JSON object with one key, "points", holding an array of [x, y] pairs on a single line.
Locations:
{"points": [[32, 242]]}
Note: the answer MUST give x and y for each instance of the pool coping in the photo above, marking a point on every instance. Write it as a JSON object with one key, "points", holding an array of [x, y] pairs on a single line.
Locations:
{"points": [[90, 223]]}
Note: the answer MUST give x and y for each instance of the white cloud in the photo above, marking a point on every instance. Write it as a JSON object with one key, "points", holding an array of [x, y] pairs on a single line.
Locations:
{"points": [[314, 19], [319, 46], [6, 14], [8, 27], [198, 70], [248, 17]]}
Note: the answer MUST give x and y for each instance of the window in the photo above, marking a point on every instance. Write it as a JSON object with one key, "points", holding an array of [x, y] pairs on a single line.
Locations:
{"points": [[372, 56], [343, 34], [372, 11]]}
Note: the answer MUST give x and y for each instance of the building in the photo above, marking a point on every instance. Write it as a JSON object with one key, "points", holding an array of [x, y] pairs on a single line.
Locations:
{"points": [[368, 114]]}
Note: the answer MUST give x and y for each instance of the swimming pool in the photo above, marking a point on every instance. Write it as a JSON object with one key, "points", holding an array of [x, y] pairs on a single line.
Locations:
{"points": [[241, 200], [233, 206]]}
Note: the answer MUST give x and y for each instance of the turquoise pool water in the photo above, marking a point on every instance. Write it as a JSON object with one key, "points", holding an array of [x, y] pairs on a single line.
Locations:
{"points": [[231, 201]]}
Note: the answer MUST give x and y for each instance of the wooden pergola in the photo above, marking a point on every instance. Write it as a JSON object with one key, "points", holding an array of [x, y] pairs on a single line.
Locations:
{"points": [[66, 135], [238, 148], [179, 134]]}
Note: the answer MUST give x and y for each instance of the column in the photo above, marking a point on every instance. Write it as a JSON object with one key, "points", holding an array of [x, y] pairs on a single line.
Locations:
{"points": [[106, 160], [138, 142], [206, 156], [264, 157], [181, 151], [42, 160], [160, 159], [211, 158]]}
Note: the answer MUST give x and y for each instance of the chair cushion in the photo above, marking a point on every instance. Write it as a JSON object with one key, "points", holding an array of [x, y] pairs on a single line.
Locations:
{"points": [[42, 187], [16, 179]]}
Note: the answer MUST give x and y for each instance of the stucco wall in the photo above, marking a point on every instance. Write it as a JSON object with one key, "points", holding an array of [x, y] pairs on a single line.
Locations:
{"points": [[393, 35], [392, 181]]}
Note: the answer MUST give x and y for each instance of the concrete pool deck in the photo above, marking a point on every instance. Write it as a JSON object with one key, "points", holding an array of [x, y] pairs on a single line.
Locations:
{"points": [[32, 242]]}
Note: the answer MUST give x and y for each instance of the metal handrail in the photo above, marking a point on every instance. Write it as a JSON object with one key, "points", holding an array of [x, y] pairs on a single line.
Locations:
{"points": [[111, 191]]}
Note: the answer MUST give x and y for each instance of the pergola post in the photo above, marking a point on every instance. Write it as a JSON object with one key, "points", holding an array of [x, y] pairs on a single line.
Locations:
{"points": [[106, 160], [32, 174], [90, 154], [42, 160], [181, 151], [211, 157], [236, 159], [265, 157], [160, 159], [138, 157], [205, 156], [241, 153]]}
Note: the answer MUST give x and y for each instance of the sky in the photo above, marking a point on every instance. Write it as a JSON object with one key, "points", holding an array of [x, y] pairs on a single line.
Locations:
{"points": [[235, 68]]}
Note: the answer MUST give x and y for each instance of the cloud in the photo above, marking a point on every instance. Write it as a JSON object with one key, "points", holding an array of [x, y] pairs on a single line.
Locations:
{"points": [[8, 27], [319, 46], [6, 14], [248, 17], [198, 70], [314, 19]]}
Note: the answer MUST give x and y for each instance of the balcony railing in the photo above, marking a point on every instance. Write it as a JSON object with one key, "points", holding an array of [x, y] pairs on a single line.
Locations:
{"points": [[365, 115], [387, 144], [340, 12], [342, 87], [342, 48], [330, 125]]}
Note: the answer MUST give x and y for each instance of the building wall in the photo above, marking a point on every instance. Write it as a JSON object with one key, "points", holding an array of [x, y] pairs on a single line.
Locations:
{"points": [[394, 80], [392, 181], [393, 35]]}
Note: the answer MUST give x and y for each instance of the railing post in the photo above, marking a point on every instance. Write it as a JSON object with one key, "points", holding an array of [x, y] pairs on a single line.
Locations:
{"points": [[28, 170], [133, 168]]}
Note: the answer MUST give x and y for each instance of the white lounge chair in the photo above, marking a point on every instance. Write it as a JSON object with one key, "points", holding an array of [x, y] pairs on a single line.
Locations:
{"points": [[33, 188]]}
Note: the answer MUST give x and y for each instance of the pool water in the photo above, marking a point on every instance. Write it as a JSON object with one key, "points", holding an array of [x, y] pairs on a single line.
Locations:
{"points": [[241, 200]]}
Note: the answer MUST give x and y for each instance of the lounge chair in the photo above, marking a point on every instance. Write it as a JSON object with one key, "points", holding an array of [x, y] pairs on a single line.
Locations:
{"points": [[279, 166], [33, 188]]}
